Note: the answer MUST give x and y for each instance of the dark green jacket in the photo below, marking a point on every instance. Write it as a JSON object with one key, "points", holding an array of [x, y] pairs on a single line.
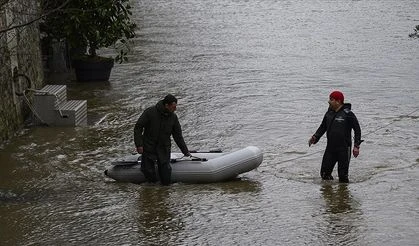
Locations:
{"points": [[153, 130]]}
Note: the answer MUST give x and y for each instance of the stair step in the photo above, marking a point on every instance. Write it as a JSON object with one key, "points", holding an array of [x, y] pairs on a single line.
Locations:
{"points": [[52, 107], [55, 93], [73, 112]]}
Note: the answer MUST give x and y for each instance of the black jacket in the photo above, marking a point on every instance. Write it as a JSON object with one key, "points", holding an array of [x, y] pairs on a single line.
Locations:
{"points": [[338, 126], [153, 130]]}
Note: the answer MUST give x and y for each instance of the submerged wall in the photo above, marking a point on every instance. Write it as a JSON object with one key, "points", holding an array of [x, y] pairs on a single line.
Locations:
{"points": [[20, 58]]}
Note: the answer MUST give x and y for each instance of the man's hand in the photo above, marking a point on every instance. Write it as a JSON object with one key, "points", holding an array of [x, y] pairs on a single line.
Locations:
{"points": [[311, 141], [355, 151], [140, 150]]}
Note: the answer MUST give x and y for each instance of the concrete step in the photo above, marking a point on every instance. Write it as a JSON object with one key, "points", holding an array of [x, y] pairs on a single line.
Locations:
{"points": [[72, 113], [51, 96], [51, 107]]}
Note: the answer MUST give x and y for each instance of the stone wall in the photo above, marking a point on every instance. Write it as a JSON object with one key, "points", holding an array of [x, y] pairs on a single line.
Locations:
{"points": [[20, 57]]}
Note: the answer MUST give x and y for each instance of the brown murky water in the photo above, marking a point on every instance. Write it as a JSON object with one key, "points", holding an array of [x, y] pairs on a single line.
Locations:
{"points": [[247, 73]]}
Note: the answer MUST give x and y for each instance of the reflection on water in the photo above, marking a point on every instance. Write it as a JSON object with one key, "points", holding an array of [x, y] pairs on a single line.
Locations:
{"points": [[164, 214], [156, 217], [342, 213], [337, 197]]}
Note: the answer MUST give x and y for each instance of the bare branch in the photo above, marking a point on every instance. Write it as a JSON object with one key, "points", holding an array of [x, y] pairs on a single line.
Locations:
{"points": [[36, 19]]}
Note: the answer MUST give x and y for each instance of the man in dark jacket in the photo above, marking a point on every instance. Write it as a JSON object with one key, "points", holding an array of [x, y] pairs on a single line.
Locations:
{"points": [[152, 139], [338, 123]]}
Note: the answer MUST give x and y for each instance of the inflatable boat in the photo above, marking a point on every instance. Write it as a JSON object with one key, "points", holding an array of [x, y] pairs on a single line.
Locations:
{"points": [[202, 167]]}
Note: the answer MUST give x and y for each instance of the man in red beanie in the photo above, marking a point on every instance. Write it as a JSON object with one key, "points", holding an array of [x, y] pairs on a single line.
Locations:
{"points": [[338, 123]]}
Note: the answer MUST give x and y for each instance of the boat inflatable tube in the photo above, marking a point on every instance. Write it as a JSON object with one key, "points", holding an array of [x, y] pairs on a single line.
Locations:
{"points": [[203, 167]]}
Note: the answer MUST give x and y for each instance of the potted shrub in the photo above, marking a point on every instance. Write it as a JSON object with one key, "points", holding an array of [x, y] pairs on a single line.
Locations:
{"points": [[89, 25]]}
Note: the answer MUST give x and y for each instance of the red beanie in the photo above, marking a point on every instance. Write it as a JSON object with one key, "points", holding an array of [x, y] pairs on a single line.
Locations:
{"points": [[337, 95]]}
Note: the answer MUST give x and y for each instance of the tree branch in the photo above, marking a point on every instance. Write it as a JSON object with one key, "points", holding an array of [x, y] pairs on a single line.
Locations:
{"points": [[36, 19]]}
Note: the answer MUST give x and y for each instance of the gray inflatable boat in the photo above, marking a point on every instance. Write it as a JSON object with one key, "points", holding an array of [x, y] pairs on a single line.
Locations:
{"points": [[203, 167]]}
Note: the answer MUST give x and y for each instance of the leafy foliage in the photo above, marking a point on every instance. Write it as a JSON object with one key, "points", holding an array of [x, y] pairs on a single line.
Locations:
{"points": [[91, 23]]}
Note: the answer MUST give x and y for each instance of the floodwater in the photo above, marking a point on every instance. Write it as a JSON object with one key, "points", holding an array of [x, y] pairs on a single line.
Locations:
{"points": [[247, 73]]}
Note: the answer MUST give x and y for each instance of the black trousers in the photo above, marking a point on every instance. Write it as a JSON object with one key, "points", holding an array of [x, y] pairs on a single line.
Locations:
{"points": [[340, 155], [149, 164]]}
